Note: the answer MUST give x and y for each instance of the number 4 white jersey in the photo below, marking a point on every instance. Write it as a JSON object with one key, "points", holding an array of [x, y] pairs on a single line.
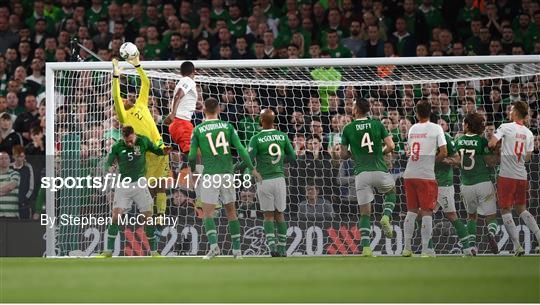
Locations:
{"points": [[188, 101], [517, 141], [423, 142]]}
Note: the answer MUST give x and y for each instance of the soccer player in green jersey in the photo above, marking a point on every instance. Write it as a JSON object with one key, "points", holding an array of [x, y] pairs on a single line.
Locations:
{"points": [[444, 174], [130, 154], [476, 161], [270, 148], [364, 137], [214, 138]]}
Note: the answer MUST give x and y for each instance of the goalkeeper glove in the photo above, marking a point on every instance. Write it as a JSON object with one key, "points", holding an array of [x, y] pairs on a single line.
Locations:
{"points": [[116, 68], [134, 61]]}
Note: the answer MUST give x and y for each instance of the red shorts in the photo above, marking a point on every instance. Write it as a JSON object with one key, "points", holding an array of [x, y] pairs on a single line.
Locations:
{"points": [[180, 131], [511, 191], [421, 193]]}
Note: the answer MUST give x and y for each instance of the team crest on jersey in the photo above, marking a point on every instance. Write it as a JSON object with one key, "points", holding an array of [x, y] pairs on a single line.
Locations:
{"points": [[137, 150]]}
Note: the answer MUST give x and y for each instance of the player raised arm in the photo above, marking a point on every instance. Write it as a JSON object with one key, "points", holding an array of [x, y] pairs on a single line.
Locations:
{"points": [[192, 156], [290, 153], [142, 99], [443, 150], [389, 145], [118, 103], [242, 152]]}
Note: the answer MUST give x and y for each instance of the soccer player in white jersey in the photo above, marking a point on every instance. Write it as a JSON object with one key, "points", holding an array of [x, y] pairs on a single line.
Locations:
{"points": [[425, 139], [517, 145], [182, 107]]}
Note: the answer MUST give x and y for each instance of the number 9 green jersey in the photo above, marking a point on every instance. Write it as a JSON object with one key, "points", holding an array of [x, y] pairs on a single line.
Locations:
{"points": [[270, 148]]}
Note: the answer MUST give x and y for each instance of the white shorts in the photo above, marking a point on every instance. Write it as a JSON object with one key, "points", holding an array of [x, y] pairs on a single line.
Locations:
{"points": [[124, 198], [223, 191], [445, 199], [366, 181], [480, 198], [272, 194]]}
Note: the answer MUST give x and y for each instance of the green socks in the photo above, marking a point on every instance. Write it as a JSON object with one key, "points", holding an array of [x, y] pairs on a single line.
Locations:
{"points": [[471, 228], [282, 237], [389, 203], [365, 229], [210, 227], [461, 233], [112, 231], [152, 239], [269, 229], [234, 230], [492, 227]]}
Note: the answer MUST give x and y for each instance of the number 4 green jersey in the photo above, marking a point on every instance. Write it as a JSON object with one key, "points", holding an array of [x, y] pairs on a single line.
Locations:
{"points": [[444, 173], [132, 160], [365, 140], [472, 150], [269, 148], [214, 138]]}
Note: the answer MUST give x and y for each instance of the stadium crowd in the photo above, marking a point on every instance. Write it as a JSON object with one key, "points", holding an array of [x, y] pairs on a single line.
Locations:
{"points": [[320, 185]]}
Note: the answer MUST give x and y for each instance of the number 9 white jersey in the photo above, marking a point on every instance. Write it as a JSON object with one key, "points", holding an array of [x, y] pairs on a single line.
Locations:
{"points": [[517, 141], [423, 142]]}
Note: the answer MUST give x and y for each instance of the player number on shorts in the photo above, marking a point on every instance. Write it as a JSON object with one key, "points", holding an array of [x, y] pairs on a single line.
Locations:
{"points": [[415, 151], [220, 142], [470, 153], [275, 151], [366, 141], [518, 149]]}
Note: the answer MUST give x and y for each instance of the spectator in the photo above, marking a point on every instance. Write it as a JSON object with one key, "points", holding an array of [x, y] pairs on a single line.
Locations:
{"points": [[354, 42], [249, 125], [402, 39], [236, 23], [225, 52], [241, 51], [507, 40], [203, 49], [26, 184], [415, 21], [374, 45], [104, 36], [314, 207], [154, 48], [336, 49], [7, 37], [268, 38], [9, 188]]}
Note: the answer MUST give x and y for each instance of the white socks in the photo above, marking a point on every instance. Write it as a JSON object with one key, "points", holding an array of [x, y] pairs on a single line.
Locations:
{"points": [[427, 230], [530, 222], [408, 229], [511, 229]]}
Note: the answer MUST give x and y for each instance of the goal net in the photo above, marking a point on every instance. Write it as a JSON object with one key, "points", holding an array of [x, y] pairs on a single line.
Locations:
{"points": [[313, 100]]}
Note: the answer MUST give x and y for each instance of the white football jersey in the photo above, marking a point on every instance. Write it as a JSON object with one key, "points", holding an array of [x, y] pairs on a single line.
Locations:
{"points": [[423, 142], [517, 141], [188, 101]]}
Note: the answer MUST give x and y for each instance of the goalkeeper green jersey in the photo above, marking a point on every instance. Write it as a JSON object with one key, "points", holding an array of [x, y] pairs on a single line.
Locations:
{"points": [[365, 140], [132, 160], [444, 173], [269, 148], [473, 149], [214, 138]]}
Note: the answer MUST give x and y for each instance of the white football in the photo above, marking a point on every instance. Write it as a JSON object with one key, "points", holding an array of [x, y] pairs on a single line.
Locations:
{"points": [[128, 50]]}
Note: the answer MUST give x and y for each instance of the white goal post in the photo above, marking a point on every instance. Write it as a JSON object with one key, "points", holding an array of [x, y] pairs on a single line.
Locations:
{"points": [[367, 78]]}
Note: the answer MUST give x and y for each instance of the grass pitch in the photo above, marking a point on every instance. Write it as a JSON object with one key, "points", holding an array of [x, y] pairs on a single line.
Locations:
{"points": [[307, 279]]}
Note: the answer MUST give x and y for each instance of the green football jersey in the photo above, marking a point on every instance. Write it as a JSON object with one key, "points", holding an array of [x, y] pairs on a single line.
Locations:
{"points": [[365, 140], [473, 149], [214, 139], [132, 160], [444, 173], [269, 148]]}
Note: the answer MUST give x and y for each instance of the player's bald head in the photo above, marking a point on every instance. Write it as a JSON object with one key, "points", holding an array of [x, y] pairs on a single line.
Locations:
{"points": [[267, 118]]}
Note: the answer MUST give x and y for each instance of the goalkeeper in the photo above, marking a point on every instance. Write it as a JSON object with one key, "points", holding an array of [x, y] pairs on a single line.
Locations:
{"points": [[136, 114]]}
